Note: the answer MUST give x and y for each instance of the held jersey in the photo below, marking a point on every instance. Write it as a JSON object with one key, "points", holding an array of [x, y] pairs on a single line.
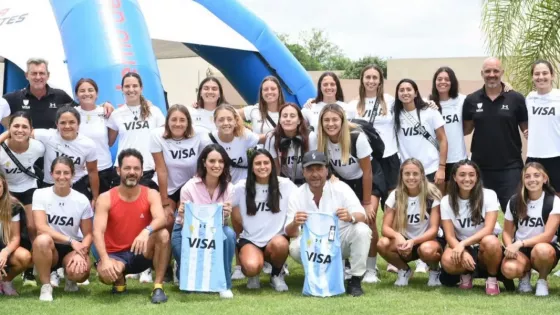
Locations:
{"points": [[202, 250], [321, 255]]}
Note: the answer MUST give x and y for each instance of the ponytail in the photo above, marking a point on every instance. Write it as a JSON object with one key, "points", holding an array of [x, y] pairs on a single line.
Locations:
{"points": [[144, 108]]}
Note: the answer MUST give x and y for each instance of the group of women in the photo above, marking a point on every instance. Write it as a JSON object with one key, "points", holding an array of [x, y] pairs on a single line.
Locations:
{"points": [[205, 154]]}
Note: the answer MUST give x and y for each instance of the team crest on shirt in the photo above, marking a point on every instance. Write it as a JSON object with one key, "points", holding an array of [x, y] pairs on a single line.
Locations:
{"points": [[191, 228], [52, 105], [7, 164], [505, 107], [25, 104], [309, 242], [479, 108]]}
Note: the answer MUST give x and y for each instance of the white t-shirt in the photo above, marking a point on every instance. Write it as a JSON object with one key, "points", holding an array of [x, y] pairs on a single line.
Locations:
{"points": [[17, 180], [544, 124], [64, 214], [335, 195], [293, 161], [253, 115], [352, 169], [5, 110], [93, 125], [264, 225], [312, 115], [237, 152], [180, 156], [452, 112], [464, 227], [415, 226], [413, 144], [136, 133], [203, 118], [80, 150], [533, 224], [384, 124]]}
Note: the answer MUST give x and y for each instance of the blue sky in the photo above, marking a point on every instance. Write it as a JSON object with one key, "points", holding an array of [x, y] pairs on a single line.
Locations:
{"points": [[387, 28]]}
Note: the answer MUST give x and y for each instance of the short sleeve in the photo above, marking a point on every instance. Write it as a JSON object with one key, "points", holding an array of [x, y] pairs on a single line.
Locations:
{"points": [[436, 203], [467, 113], [5, 110], [509, 216], [247, 112], [155, 142], [112, 121], [66, 98], [237, 192], [229, 193], [158, 117], [445, 209], [491, 202], [251, 139], [43, 135], [313, 141], [390, 202], [185, 192], [88, 212], [522, 115], [437, 119], [307, 115], [556, 206], [38, 202], [363, 148], [92, 155], [269, 144], [16, 218]]}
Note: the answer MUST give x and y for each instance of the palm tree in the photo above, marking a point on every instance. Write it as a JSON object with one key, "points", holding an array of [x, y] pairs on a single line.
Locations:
{"points": [[520, 32]]}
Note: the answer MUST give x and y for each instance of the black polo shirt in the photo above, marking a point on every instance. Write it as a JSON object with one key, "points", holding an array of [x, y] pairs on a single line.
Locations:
{"points": [[42, 111], [496, 142]]}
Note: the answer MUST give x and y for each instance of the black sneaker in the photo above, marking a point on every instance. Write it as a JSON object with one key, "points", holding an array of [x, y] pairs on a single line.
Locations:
{"points": [[115, 291], [354, 286], [29, 278], [158, 296]]}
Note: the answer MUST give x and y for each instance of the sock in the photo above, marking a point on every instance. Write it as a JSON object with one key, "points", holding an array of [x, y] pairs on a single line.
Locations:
{"points": [[492, 279], [275, 271], [158, 286], [120, 288], [371, 263]]}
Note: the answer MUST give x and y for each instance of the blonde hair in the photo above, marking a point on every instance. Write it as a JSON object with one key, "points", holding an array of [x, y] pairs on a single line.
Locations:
{"points": [[239, 130], [6, 204], [428, 191], [343, 136]]}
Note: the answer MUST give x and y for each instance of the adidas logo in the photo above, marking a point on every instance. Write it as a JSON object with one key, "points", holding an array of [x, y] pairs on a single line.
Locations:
{"points": [[141, 216]]}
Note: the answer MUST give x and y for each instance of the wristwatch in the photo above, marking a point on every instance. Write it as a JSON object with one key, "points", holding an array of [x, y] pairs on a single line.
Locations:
{"points": [[149, 229]]}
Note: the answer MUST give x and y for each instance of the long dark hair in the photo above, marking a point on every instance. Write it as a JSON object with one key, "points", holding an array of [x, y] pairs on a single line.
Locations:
{"points": [[399, 107], [273, 200], [225, 177], [339, 95], [200, 101], [263, 105], [522, 195], [453, 85], [144, 106], [278, 133], [476, 196]]}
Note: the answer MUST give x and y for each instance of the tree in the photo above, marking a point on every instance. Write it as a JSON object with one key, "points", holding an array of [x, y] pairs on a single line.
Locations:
{"points": [[315, 52], [520, 32], [353, 71]]}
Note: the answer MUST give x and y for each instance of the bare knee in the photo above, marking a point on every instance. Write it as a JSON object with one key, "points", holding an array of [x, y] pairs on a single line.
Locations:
{"points": [[543, 251], [43, 242], [162, 236], [512, 269], [448, 265], [23, 257], [251, 267], [430, 251], [278, 244], [491, 245], [383, 245]]}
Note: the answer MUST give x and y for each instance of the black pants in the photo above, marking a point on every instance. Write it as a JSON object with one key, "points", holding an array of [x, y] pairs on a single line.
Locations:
{"points": [[503, 182]]}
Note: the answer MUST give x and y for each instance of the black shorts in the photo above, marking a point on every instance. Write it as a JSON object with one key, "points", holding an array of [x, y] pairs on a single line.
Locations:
{"points": [[133, 264], [503, 182], [552, 166], [357, 186], [82, 186], [243, 241], [414, 253], [448, 169], [391, 166], [527, 252], [62, 250], [431, 177], [105, 180], [26, 197], [176, 196]]}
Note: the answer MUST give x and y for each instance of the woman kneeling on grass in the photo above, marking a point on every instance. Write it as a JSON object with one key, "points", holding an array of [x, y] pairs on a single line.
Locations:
{"points": [[469, 213], [530, 227], [260, 208], [411, 224]]}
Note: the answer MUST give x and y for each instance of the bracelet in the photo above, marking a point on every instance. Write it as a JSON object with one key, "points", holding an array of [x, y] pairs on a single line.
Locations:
{"points": [[70, 239], [442, 164]]}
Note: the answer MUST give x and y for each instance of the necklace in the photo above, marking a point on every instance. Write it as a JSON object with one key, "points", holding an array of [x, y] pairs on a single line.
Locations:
{"points": [[135, 114]]}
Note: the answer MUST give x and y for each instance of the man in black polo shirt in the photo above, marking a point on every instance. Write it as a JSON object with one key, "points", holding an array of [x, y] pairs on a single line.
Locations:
{"points": [[495, 116]]}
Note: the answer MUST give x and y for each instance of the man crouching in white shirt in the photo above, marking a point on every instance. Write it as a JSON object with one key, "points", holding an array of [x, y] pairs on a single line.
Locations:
{"points": [[321, 195]]}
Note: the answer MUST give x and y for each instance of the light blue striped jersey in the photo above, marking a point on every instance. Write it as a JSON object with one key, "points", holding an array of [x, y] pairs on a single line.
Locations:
{"points": [[321, 255], [202, 249]]}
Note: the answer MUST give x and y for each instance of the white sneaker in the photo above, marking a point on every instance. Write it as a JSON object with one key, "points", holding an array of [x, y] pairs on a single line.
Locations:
{"points": [[421, 267], [286, 271], [370, 276], [402, 277], [267, 268], [433, 280], [391, 268], [134, 276], [347, 274], [237, 273], [525, 284], [278, 283], [227, 294], [60, 272], [541, 288], [70, 286], [55, 279], [85, 283], [46, 293], [253, 282], [146, 276]]}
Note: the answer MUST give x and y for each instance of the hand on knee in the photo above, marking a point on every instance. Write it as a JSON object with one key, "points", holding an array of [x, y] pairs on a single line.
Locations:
{"points": [[162, 236]]}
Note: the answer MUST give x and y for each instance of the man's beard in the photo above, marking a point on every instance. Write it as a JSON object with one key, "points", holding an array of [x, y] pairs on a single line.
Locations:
{"points": [[130, 182]]}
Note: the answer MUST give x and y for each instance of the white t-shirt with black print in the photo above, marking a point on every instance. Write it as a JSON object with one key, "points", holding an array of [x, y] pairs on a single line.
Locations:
{"points": [[415, 225], [351, 169], [93, 125], [544, 124], [203, 118], [293, 160], [533, 224], [253, 114], [312, 114], [464, 227], [452, 112], [237, 152], [17, 180], [135, 132]]}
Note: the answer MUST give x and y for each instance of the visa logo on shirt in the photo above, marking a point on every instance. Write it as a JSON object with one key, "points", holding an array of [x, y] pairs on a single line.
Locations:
{"points": [[76, 160], [415, 218], [531, 222], [15, 170], [544, 111], [262, 206], [293, 160], [134, 125], [318, 258], [60, 220], [449, 119], [182, 154], [338, 163], [202, 243], [411, 131], [467, 222]]}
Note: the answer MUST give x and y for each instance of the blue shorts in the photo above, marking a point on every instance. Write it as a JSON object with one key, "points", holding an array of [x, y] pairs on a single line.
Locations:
{"points": [[132, 263]]}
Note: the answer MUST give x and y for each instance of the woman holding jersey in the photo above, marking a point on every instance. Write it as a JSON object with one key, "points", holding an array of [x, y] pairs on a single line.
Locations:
{"points": [[531, 224], [210, 96], [259, 211]]}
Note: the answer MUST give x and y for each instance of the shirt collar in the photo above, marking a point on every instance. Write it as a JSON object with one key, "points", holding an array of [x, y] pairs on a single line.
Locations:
{"points": [[50, 91], [501, 93]]}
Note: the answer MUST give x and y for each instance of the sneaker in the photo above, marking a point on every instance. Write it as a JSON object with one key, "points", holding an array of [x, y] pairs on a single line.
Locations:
{"points": [[466, 282], [7, 288], [421, 267], [433, 280], [370, 276], [253, 282], [267, 268], [135, 276], [391, 268], [492, 286], [237, 273], [347, 274], [403, 276], [85, 283], [29, 278], [525, 284], [46, 293], [158, 296], [55, 280], [278, 283], [354, 286], [557, 273], [286, 271], [70, 286], [541, 288], [120, 290], [227, 294], [60, 272], [146, 276]]}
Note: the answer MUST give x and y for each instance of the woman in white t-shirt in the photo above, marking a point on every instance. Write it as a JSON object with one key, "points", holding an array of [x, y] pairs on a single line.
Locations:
{"points": [[175, 148], [63, 217], [445, 93], [210, 96], [14, 259], [411, 223], [93, 125], [530, 230], [295, 141], [133, 123], [420, 131], [264, 115], [543, 108], [468, 216], [260, 206]]}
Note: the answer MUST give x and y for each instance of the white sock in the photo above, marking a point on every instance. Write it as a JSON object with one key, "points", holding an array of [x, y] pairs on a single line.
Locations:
{"points": [[371, 263], [492, 279]]}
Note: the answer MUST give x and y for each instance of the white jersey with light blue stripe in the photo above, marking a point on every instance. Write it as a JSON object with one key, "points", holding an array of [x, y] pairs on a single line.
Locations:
{"points": [[321, 255], [202, 250]]}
